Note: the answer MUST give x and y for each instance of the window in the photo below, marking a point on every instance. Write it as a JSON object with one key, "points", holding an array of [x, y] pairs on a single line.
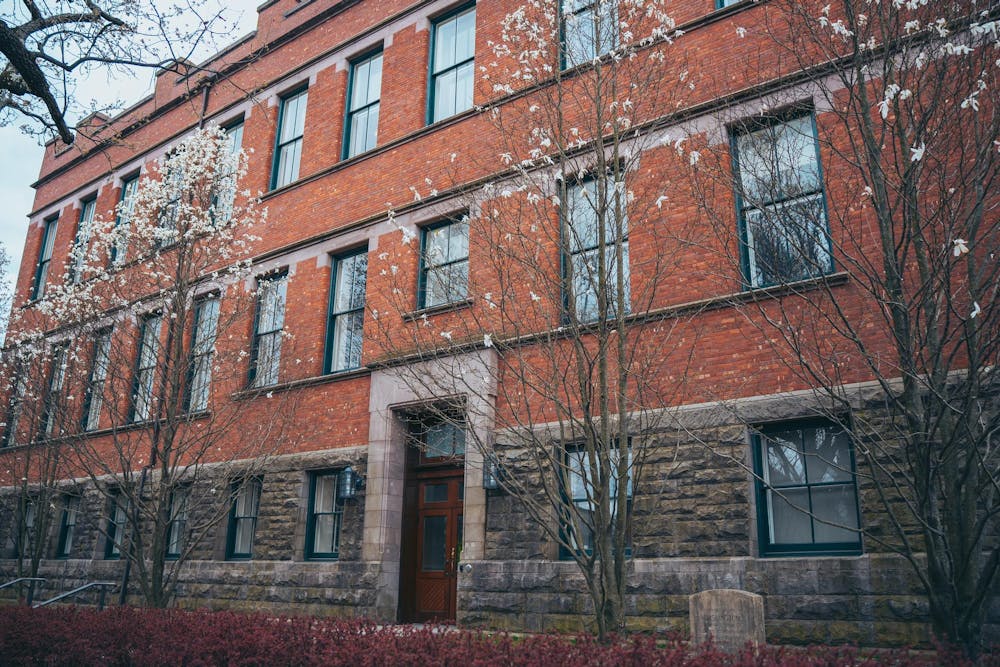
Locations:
{"points": [[119, 248], [67, 524], [725, 3], [362, 111], [291, 127], [146, 363], [243, 518], [326, 511], [44, 257], [438, 436], [26, 540], [83, 230], [452, 67], [53, 405], [589, 30], [226, 193], [177, 531], [94, 399], [14, 407], [444, 274], [205, 328], [347, 311], [265, 356], [117, 517], [583, 489], [166, 234], [806, 492], [780, 200], [594, 249]]}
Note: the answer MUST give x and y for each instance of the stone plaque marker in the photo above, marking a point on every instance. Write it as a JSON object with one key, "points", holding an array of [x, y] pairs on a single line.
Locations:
{"points": [[729, 617]]}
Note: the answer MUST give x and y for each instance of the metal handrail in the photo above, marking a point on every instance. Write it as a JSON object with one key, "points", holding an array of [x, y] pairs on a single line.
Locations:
{"points": [[31, 588], [103, 585]]}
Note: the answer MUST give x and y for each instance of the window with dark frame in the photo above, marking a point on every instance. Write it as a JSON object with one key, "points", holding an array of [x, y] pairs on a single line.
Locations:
{"points": [[782, 208], [444, 263], [123, 221], [53, 405], [453, 54], [225, 197], [67, 525], [326, 510], [582, 487], [94, 398], [13, 417], [807, 498], [146, 365], [44, 257], [348, 281], [269, 322], [243, 519], [585, 207], [288, 149], [361, 131], [26, 539], [117, 518], [82, 241], [589, 29], [177, 531], [203, 334]]}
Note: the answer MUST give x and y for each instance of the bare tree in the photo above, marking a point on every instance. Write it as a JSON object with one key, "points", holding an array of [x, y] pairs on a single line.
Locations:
{"points": [[881, 267], [554, 271], [146, 335], [48, 48]]}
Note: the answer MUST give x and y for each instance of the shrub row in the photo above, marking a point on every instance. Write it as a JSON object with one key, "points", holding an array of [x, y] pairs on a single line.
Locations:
{"points": [[131, 636]]}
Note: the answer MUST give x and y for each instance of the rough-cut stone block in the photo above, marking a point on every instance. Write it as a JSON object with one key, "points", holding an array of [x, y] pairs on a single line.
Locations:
{"points": [[729, 617]]}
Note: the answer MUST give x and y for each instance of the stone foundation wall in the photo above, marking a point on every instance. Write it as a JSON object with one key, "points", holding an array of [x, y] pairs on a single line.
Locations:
{"points": [[872, 599]]}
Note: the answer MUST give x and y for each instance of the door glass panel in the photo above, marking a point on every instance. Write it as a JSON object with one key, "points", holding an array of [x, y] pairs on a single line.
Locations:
{"points": [[435, 532], [436, 493]]}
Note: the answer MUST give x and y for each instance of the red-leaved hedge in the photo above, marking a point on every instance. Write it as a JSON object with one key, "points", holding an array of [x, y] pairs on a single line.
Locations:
{"points": [[132, 636]]}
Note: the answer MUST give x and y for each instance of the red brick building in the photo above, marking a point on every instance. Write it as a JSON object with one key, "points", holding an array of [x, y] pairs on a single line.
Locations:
{"points": [[390, 145]]}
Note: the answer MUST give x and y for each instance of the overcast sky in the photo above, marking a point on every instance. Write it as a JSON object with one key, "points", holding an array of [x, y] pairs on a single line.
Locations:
{"points": [[21, 156]]}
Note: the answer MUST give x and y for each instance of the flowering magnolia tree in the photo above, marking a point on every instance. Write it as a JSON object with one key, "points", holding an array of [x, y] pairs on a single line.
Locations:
{"points": [[547, 268], [867, 195], [135, 356]]}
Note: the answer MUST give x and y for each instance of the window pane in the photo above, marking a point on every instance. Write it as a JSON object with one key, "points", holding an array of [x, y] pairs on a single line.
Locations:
{"points": [[463, 87], [351, 280], [839, 506], [790, 522], [444, 439], [465, 35], [435, 493], [828, 455], [788, 241], [326, 493], [444, 44], [445, 90], [785, 463], [323, 536], [347, 344], [435, 530]]}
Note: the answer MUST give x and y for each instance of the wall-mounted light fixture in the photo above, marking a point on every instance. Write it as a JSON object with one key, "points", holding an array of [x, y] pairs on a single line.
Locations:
{"points": [[349, 483]]}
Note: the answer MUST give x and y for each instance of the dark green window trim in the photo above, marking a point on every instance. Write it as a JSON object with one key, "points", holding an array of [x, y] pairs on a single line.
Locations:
{"points": [[177, 530], [268, 325], [243, 519], [448, 265], [568, 495], [84, 228], [67, 525], [204, 329], [117, 520], [367, 108], [780, 200], [146, 364], [332, 516], [769, 548], [345, 318], [597, 46], [130, 185], [44, 257], [437, 73], [285, 166], [93, 400]]}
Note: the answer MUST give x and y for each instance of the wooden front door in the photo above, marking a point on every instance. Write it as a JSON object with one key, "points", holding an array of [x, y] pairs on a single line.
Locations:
{"points": [[432, 537]]}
